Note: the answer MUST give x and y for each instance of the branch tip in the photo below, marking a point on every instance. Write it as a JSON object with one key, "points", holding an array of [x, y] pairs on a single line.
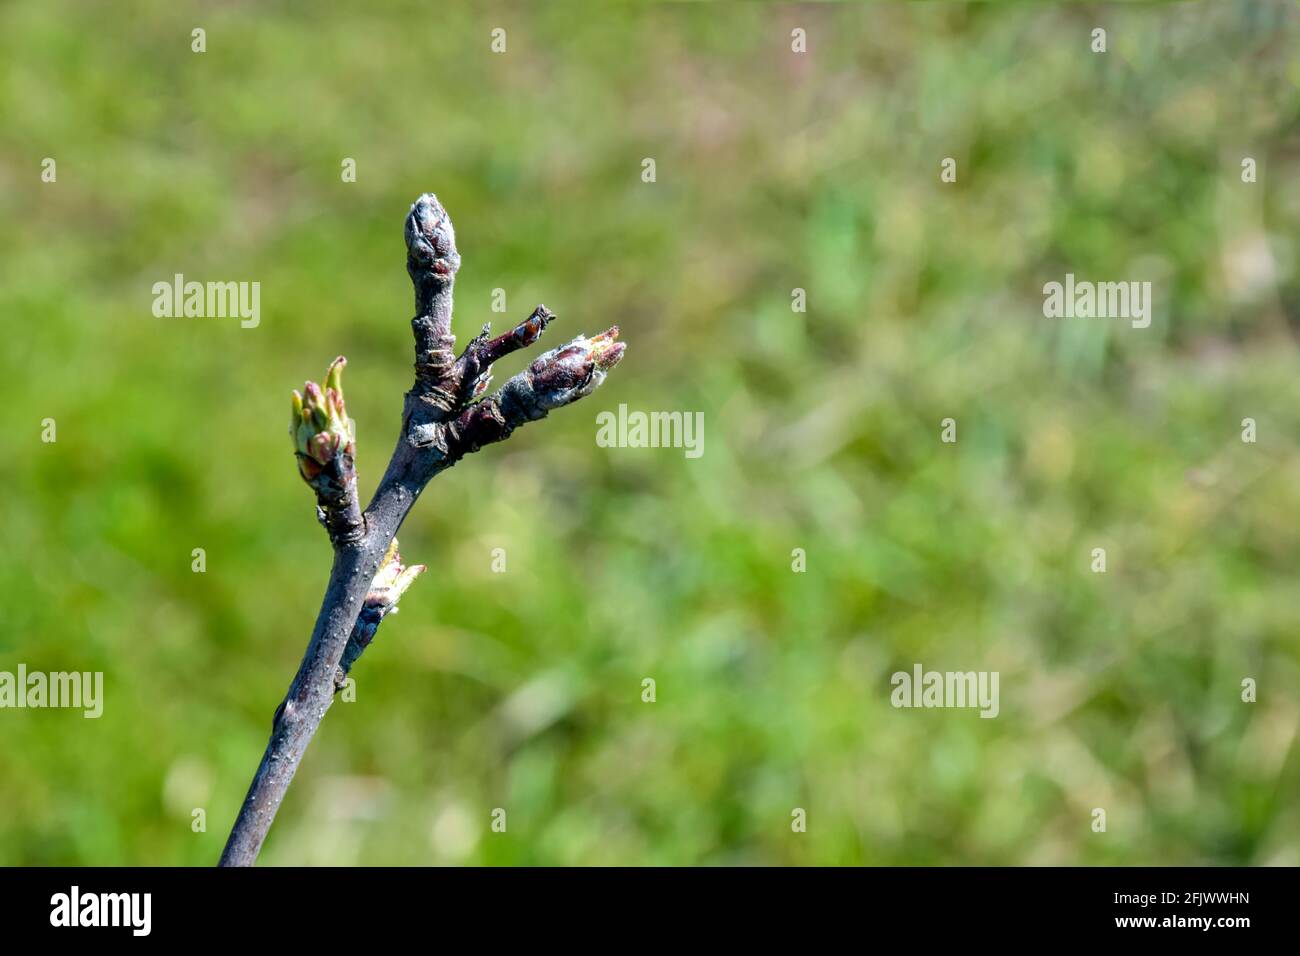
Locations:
{"points": [[430, 242]]}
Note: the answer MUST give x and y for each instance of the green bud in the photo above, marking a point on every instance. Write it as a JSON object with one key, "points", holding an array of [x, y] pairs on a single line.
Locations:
{"points": [[391, 581], [606, 350], [320, 427]]}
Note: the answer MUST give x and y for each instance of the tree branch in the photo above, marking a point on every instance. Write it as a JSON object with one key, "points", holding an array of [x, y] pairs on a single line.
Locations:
{"points": [[441, 423]]}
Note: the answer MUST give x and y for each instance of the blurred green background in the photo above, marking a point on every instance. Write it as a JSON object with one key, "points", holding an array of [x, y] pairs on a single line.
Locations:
{"points": [[775, 171]]}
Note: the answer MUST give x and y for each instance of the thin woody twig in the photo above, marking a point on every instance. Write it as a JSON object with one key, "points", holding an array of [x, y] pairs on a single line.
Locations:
{"points": [[442, 422]]}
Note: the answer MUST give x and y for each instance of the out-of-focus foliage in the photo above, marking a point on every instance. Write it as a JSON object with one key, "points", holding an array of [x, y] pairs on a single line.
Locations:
{"points": [[775, 171]]}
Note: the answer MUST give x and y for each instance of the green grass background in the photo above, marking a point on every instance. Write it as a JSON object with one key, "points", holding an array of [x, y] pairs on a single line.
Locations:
{"points": [[774, 171]]}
